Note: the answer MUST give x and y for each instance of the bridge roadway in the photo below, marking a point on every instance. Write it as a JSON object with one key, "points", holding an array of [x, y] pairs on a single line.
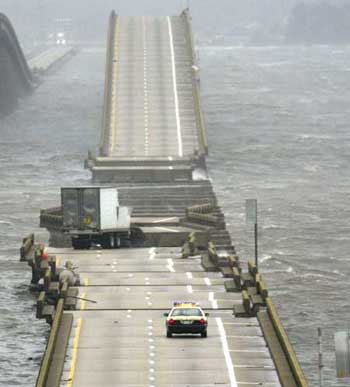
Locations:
{"points": [[48, 58], [118, 336], [153, 112], [120, 340], [152, 127]]}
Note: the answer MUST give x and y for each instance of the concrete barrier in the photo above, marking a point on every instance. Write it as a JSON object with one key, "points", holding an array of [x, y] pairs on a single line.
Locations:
{"points": [[204, 208], [51, 218], [203, 219], [244, 309], [195, 82], [212, 253], [286, 345], [47, 359], [189, 248], [40, 303], [27, 244], [104, 148]]}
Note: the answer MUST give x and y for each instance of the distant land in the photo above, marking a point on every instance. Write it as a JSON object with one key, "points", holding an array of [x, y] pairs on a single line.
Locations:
{"points": [[322, 22]]}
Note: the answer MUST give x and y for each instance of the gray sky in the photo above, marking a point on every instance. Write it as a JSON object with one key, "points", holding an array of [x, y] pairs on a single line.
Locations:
{"points": [[210, 17]]}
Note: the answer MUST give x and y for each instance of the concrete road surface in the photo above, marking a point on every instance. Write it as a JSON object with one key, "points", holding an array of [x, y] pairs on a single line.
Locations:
{"points": [[153, 111], [121, 339]]}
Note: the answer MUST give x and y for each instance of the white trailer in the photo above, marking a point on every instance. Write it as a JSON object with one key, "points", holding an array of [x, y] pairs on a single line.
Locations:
{"points": [[92, 215]]}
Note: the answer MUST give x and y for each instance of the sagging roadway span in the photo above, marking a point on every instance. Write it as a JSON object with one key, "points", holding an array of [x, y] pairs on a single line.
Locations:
{"points": [[153, 141], [16, 78], [19, 76]]}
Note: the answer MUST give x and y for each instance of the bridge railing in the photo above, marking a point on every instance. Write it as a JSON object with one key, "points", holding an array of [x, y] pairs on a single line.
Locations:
{"points": [[51, 219], [9, 38], [106, 115], [202, 134]]}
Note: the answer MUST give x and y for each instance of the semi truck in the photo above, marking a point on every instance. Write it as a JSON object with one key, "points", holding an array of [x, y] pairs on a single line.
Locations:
{"points": [[92, 216]]}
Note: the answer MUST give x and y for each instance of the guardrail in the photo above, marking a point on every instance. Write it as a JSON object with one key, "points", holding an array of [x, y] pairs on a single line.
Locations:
{"points": [[204, 208], [255, 298], [286, 345], [47, 359], [195, 81], [106, 115], [9, 38], [51, 218]]}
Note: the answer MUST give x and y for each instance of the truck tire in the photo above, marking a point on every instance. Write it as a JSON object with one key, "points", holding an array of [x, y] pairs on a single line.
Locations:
{"points": [[81, 243]]}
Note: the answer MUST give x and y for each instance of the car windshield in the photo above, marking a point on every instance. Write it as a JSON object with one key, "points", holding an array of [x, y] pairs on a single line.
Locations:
{"points": [[186, 312]]}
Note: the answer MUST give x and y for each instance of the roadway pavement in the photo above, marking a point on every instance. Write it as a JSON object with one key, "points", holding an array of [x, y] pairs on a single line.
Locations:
{"points": [[42, 62], [120, 339], [153, 110]]}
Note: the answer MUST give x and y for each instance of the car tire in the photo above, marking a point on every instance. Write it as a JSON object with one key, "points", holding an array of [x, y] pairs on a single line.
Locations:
{"points": [[204, 334], [168, 334]]}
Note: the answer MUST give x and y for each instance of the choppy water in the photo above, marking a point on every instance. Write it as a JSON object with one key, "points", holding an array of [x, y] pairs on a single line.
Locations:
{"points": [[277, 120]]}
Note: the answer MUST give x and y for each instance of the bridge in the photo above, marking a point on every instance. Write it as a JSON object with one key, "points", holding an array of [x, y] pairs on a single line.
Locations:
{"points": [[152, 120], [110, 330], [18, 75]]}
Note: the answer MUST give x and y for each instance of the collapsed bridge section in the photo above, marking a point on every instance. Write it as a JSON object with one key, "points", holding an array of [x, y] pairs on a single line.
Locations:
{"points": [[16, 78], [108, 327]]}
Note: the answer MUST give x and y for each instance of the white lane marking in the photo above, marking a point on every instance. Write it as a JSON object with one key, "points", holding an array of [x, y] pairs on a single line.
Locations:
{"points": [[189, 288], [189, 275], [152, 250], [229, 365], [164, 220], [207, 281], [249, 351], [170, 265], [214, 302], [178, 123]]}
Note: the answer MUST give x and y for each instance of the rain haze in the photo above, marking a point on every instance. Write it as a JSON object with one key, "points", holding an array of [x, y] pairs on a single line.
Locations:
{"points": [[275, 89]]}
